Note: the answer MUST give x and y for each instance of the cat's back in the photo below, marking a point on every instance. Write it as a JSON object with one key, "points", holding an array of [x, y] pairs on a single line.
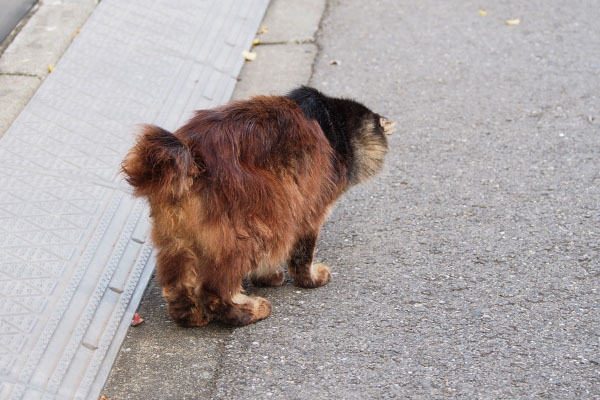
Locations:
{"points": [[268, 133]]}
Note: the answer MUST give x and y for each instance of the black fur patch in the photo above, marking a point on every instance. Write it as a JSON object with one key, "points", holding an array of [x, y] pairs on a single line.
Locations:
{"points": [[342, 120]]}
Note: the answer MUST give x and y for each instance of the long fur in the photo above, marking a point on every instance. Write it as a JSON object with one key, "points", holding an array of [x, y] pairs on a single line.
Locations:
{"points": [[244, 188]]}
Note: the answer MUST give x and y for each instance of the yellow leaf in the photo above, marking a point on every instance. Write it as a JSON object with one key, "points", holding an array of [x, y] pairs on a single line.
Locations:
{"points": [[483, 13], [50, 68], [249, 55], [263, 29], [513, 22], [256, 42]]}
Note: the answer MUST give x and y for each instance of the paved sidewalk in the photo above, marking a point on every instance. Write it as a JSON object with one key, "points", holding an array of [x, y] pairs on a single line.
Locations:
{"points": [[74, 256]]}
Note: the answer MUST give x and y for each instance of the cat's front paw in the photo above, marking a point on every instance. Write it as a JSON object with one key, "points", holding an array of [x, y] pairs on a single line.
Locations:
{"points": [[319, 276]]}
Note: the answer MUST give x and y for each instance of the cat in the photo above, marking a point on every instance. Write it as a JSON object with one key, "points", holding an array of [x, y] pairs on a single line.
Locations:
{"points": [[243, 188]]}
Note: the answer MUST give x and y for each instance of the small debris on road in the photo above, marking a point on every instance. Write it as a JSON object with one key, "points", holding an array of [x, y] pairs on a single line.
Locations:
{"points": [[249, 55], [136, 320]]}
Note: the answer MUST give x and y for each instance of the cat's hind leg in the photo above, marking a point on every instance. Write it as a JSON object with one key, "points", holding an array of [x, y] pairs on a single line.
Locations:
{"points": [[223, 297], [177, 276], [239, 309]]}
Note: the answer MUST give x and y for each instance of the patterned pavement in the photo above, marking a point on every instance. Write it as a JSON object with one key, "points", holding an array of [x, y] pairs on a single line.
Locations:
{"points": [[74, 254]]}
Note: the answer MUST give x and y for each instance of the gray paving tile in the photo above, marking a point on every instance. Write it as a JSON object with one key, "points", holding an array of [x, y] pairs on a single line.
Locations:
{"points": [[74, 255]]}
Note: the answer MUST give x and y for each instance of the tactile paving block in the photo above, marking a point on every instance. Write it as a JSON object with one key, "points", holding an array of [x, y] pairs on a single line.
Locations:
{"points": [[74, 255]]}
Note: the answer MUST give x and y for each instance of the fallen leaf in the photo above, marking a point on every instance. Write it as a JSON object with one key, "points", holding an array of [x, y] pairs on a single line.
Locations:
{"points": [[263, 29], [483, 13], [136, 320], [513, 22], [249, 55], [50, 68], [335, 62], [256, 42]]}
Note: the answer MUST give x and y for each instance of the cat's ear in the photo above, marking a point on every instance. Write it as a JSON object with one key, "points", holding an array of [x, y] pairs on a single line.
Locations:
{"points": [[387, 125]]}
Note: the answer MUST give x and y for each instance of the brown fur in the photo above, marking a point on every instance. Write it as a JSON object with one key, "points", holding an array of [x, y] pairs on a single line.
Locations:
{"points": [[238, 191]]}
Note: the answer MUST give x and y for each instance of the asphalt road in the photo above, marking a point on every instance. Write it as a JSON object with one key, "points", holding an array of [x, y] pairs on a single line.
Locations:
{"points": [[469, 268]]}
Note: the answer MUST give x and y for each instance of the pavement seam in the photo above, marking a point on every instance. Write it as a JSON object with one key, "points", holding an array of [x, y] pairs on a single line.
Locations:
{"points": [[317, 43], [284, 42], [221, 356], [21, 74]]}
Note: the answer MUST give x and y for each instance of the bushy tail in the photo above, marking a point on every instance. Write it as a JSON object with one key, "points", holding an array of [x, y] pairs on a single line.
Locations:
{"points": [[159, 163]]}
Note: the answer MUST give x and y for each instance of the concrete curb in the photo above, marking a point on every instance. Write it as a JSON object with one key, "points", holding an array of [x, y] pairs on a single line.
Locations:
{"points": [[287, 51]]}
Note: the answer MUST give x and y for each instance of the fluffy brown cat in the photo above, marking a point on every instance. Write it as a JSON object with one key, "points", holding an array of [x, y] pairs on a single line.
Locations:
{"points": [[242, 189]]}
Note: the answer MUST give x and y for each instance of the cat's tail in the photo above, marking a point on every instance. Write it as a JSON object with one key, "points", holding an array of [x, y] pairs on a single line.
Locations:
{"points": [[159, 163]]}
